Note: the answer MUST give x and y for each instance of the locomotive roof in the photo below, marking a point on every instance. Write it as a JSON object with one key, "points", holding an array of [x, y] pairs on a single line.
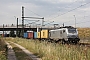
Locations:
{"points": [[67, 27], [61, 28]]}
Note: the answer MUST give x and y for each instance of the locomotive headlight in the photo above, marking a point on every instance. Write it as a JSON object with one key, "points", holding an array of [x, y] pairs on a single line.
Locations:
{"points": [[72, 36], [77, 36]]}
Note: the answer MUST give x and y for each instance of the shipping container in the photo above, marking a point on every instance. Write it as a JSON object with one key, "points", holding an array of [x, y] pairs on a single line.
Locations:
{"points": [[25, 35], [35, 34], [38, 34], [44, 34], [30, 35]]}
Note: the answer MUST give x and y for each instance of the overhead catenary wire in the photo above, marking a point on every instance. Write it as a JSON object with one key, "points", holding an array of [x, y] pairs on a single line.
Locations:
{"points": [[33, 12], [30, 20], [49, 23], [70, 10], [83, 22], [72, 20], [64, 7], [35, 17], [78, 20]]}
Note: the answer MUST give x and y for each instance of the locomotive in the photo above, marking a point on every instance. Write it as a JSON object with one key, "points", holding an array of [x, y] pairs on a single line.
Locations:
{"points": [[65, 34]]}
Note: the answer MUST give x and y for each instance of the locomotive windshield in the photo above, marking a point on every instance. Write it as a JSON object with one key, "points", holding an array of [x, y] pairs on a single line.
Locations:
{"points": [[72, 30]]}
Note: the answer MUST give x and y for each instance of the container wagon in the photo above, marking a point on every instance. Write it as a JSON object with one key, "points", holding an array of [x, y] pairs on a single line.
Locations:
{"points": [[35, 35], [30, 35], [45, 34], [25, 35]]}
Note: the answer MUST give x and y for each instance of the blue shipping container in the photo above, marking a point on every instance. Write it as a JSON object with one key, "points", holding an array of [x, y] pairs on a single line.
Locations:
{"points": [[35, 34], [26, 35]]}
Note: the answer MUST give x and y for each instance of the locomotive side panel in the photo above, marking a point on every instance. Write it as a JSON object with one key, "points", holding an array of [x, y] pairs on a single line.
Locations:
{"points": [[56, 34], [64, 34]]}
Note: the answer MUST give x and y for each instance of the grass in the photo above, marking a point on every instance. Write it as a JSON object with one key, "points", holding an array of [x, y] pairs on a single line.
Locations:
{"points": [[84, 33], [2, 50], [52, 51], [19, 53]]}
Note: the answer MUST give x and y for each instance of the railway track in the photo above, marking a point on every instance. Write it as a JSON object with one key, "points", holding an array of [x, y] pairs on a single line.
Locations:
{"points": [[84, 44]]}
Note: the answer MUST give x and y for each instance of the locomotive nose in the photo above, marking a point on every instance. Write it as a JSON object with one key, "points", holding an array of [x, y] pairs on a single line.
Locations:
{"points": [[72, 35]]}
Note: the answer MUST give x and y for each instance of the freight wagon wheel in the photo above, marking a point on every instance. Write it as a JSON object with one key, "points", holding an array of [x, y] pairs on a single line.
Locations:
{"points": [[56, 41], [76, 42], [52, 41], [60, 42], [63, 41]]}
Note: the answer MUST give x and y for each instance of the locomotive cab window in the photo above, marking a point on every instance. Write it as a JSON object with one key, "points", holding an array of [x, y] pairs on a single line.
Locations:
{"points": [[72, 30]]}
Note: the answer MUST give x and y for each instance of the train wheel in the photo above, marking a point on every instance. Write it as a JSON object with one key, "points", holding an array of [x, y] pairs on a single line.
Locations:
{"points": [[76, 42], [49, 40], [63, 41], [59, 42]]}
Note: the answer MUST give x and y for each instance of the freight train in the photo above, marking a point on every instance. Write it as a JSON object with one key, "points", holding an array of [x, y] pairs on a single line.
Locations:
{"points": [[62, 34]]}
